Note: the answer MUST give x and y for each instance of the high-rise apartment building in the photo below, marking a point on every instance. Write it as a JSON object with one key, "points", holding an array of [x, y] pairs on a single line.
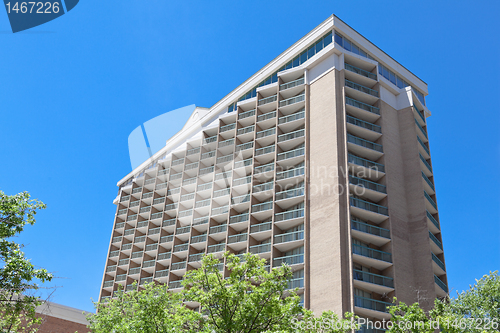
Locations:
{"points": [[319, 160]]}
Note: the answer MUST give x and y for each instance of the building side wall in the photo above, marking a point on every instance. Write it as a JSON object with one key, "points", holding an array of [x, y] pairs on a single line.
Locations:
{"points": [[412, 269], [326, 256]]}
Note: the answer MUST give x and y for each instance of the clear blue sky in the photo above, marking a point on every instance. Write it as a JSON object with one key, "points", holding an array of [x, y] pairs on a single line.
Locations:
{"points": [[73, 89]]}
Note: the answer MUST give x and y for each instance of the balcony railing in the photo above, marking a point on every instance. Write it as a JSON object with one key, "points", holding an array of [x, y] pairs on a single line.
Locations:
{"points": [[432, 202], [373, 278], [220, 210], [202, 203], [293, 135], [237, 238], [222, 192], [200, 220], [425, 162], [360, 71], [370, 229], [132, 217], [364, 143], [122, 211], [246, 114], [216, 248], [129, 232], [268, 100], [264, 169], [441, 284], [292, 84], [266, 116], [240, 199], [367, 184], [178, 265], [427, 180], [224, 159], [289, 215], [140, 239], [123, 262], [164, 256], [239, 218], [203, 187], [162, 273], [176, 176], [193, 151], [198, 239], [142, 224], [359, 203], [292, 117], [292, 100], [364, 124], [208, 154], [133, 271], [289, 237], [108, 284], [420, 114], [151, 247], [195, 257], [435, 240], [267, 132], [189, 196], [126, 247], [121, 277], [291, 154], [163, 172], [223, 175], [149, 263], [228, 127], [371, 304], [371, 253], [245, 130], [361, 88], [243, 163], [295, 283], [218, 228], [189, 181], [178, 162], [168, 223], [181, 247], [158, 201], [175, 284], [156, 216], [265, 150], [116, 239], [291, 193], [290, 260], [421, 128], [137, 254], [114, 254], [262, 206], [171, 206], [110, 269], [242, 181], [362, 106], [137, 190], [365, 163], [183, 230], [433, 220], [244, 146], [125, 198], [135, 203], [166, 239], [423, 146], [437, 261], [173, 191], [119, 225], [290, 173], [261, 248], [226, 143], [147, 182], [154, 231], [263, 187], [191, 166]]}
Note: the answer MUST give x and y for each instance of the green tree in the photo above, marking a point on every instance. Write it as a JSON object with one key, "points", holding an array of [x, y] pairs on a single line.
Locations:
{"points": [[476, 310], [18, 277], [251, 299], [153, 309]]}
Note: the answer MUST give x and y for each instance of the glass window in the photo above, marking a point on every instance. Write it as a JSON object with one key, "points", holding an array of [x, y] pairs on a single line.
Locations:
{"points": [[303, 57], [295, 61], [319, 45], [347, 45], [328, 39], [399, 82], [338, 40], [355, 49], [311, 52], [392, 78], [385, 72], [289, 65], [363, 53]]}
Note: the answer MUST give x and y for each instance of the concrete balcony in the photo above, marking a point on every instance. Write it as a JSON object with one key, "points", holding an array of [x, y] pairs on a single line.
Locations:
{"points": [[362, 110], [372, 170], [438, 265], [363, 128], [430, 204], [368, 211], [436, 245], [371, 257], [368, 189], [364, 148], [371, 308], [373, 282], [288, 241], [441, 288], [369, 233]]}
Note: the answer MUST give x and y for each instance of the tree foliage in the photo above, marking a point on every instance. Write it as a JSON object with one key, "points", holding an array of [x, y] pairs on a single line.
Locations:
{"points": [[18, 277], [476, 310], [250, 300]]}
